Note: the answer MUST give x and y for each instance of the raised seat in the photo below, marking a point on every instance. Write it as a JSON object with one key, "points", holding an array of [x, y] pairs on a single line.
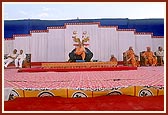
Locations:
{"points": [[73, 57], [27, 61], [160, 60], [142, 59]]}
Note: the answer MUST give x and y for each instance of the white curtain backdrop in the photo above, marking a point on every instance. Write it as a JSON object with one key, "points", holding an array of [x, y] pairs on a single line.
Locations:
{"points": [[125, 39], [108, 44], [157, 42], [143, 41], [8, 46], [22, 43], [56, 49], [39, 47], [56, 44]]}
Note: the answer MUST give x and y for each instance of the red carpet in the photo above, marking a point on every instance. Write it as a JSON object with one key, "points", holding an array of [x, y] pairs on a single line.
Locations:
{"points": [[103, 103], [119, 68]]}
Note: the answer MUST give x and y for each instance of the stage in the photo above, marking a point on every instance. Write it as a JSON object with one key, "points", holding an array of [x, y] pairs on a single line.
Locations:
{"points": [[78, 66], [142, 81]]}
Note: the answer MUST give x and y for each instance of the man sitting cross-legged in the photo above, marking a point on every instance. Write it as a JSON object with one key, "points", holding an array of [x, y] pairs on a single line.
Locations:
{"points": [[19, 60], [10, 58]]}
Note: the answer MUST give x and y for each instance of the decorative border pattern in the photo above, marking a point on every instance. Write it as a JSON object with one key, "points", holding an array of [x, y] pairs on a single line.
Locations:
{"points": [[138, 91]]}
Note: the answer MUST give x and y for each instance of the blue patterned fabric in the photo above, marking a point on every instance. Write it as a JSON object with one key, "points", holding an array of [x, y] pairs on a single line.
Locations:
{"points": [[141, 25]]}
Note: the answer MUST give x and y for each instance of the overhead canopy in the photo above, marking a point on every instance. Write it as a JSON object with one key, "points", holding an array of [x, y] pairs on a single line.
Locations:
{"points": [[11, 27]]}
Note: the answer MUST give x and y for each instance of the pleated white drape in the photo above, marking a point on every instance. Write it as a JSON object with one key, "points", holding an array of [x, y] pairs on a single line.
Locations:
{"points": [[126, 39], [56, 47], [38, 47], [22, 43], [8, 46], [108, 44], [56, 44]]}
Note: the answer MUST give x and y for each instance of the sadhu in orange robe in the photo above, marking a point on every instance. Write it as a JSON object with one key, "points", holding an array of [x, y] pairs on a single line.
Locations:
{"points": [[114, 60], [80, 50], [131, 57], [150, 58]]}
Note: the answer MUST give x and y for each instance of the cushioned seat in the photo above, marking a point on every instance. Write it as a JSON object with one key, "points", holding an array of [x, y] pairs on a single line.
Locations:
{"points": [[73, 57], [27, 61], [142, 59], [160, 60]]}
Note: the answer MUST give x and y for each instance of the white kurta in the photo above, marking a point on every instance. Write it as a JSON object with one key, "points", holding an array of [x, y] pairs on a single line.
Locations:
{"points": [[19, 60], [9, 59], [160, 53]]}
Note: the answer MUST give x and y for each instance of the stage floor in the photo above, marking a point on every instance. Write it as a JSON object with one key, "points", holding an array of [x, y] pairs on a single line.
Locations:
{"points": [[145, 81]]}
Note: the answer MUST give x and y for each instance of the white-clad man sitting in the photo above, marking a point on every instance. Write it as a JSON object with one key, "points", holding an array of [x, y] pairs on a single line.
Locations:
{"points": [[10, 58], [19, 60]]}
